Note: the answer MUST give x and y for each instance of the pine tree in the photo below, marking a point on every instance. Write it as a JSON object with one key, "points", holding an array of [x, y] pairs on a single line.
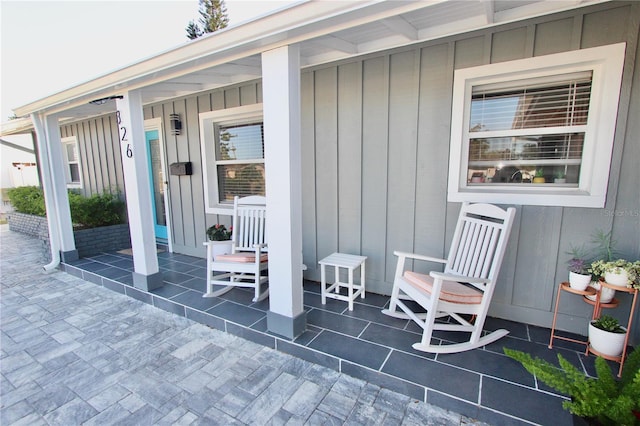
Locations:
{"points": [[213, 17], [193, 30]]}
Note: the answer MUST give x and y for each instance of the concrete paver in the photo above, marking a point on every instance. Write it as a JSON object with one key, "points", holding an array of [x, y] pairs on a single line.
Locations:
{"points": [[74, 353]]}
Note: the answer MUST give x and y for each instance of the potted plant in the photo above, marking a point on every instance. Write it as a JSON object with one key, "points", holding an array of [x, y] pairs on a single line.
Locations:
{"points": [[560, 177], [598, 400], [618, 272], [607, 336], [539, 176], [579, 275], [219, 240]]}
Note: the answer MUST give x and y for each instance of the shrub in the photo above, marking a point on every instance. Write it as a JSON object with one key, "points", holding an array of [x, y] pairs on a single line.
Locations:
{"points": [[95, 211], [86, 212], [27, 200]]}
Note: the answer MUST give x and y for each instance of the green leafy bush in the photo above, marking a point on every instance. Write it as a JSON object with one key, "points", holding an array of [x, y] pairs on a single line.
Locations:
{"points": [[605, 399], [95, 211], [27, 200], [86, 212]]}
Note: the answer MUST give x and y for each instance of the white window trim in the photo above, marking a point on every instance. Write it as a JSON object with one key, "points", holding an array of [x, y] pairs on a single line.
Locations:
{"points": [[606, 62], [67, 172], [240, 115]]}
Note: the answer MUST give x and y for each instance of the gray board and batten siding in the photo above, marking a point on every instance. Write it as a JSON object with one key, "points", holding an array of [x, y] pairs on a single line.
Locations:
{"points": [[375, 155]]}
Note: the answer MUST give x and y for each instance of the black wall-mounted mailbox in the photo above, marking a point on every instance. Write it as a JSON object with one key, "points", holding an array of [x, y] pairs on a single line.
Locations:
{"points": [[180, 169]]}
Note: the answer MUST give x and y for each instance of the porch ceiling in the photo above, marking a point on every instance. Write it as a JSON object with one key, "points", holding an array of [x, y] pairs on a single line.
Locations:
{"points": [[325, 31]]}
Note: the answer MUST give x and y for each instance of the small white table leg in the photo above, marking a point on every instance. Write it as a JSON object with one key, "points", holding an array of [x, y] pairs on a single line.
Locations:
{"points": [[362, 280], [323, 283]]}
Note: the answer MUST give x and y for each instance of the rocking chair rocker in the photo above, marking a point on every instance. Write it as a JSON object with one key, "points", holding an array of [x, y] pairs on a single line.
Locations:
{"points": [[466, 285], [244, 266]]}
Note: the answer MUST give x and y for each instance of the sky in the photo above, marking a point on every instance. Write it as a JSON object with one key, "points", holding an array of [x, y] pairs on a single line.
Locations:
{"points": [[49, 46]]}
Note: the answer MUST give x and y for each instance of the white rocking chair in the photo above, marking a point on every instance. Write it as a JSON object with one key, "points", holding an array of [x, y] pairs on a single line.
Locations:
{"points": [[244, 266], [466, 285]]}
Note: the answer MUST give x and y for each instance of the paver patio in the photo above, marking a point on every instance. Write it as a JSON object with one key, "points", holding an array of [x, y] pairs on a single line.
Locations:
{"points": [[77, 353]]}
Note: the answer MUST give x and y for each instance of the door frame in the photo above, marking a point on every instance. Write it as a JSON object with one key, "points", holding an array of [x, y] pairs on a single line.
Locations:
{"points": [[156, 124]]}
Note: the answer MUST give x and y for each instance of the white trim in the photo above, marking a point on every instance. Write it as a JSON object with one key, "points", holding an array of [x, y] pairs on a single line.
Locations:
{"points": [[156, 124], [67, 165], [606, 62], [239, 115]]}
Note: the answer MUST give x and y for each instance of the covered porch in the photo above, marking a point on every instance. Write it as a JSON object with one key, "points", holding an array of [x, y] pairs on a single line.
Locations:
{"points": [[481, 383]]}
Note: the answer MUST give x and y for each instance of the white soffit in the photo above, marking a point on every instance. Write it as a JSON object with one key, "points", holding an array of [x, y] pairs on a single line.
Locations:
{"points": [[326, 31]]}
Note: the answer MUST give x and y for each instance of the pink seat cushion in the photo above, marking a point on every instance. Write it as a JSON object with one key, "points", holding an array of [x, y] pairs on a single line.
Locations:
{"points": [[241, 257], [452, 291]]}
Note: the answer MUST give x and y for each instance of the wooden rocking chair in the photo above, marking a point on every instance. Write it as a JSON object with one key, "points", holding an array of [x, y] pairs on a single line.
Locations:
{"points": [[466, 285], [247, 262]]}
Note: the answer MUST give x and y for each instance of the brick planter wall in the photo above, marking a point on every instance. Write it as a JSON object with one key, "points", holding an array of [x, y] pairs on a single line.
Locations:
{"points": [[89, 242]]}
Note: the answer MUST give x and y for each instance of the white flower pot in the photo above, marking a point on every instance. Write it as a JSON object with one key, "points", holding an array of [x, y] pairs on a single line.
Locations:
{"points": [[619, 279], [606, 293], [579, 281], [605, 342], [219, 247]]}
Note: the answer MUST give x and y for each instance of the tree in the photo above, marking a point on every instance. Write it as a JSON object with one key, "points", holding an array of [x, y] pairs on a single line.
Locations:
{"points": [[213, 17], [193, 30]]}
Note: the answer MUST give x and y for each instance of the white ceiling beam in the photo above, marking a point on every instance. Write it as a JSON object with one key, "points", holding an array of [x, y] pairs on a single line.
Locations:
{"points": [[401, 26], [176, 86], [335, 43], [489, 10], [204, 78], [233, 69]]}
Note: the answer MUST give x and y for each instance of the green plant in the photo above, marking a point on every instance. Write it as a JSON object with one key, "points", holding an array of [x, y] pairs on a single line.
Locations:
{"points": [[95, 211], [609, 401], [560, 174], [27, 200], [578, 261], [539, 173], [219, 232], [608, 323], [605, 244], [86, 212], [600, 267]]}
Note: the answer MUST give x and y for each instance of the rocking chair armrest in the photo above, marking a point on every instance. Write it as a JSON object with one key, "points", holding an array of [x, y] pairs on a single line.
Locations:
{"points": [[458, 278], [419, 257], [259, 247]]}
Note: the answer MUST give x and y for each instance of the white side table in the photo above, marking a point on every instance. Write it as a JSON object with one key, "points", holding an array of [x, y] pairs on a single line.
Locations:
{"points": [[347, 261]]}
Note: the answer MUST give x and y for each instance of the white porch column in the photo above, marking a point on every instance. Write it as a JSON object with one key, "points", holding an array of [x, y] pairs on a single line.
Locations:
{"points": [[146, 275], [54, 182], [281, 105]]}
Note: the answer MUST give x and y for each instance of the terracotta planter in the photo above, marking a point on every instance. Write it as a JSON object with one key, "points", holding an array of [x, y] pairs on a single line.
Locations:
{"points": [[606, 342]]}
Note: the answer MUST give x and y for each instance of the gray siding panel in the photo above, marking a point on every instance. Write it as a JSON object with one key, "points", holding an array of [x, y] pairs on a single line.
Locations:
{"points": [[432, 154], [326, 154], [349, 157], [309, 225], [375, 99], [401, 177]]}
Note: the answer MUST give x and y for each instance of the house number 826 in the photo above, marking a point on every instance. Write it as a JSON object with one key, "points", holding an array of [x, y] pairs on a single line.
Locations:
{"points": [[123, 135]]}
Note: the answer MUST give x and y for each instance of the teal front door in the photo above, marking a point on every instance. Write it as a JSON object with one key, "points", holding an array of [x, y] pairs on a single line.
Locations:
{"points": [[154, 155]]}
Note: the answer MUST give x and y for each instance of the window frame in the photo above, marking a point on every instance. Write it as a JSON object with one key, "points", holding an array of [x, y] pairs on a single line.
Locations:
{"points": [[208, 121], [71, 140], [606, 64]]}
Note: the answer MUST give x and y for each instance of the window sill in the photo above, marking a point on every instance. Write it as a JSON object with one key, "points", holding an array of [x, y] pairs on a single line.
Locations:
{"points": [[544, 195]]}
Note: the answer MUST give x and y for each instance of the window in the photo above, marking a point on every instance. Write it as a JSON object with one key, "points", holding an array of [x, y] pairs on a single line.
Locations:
{"points": [[538, 131], [232, 143], [72, 162]]}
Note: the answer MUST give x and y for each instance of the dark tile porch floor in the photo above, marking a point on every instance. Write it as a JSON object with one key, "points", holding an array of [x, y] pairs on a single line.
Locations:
{"points": [[482, 383]]}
